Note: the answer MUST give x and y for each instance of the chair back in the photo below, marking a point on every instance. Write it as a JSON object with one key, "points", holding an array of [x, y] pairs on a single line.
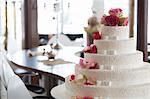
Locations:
{"points": [[5, 74], [64, 40], [11, 86], [17, 89]]}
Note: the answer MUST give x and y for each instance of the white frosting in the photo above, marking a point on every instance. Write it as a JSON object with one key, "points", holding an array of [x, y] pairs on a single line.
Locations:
{"points": [[65, 94], [118, 77], [131, 60], [120, 46], [109, 91], [122, 32]]}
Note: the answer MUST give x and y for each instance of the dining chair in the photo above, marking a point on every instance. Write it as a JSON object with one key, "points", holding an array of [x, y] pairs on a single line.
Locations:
{"points": [[11, 86], [5, 74], [17, 89]]}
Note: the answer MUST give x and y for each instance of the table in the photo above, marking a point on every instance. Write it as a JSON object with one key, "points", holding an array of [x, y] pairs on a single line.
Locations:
{"points": [[22, 60]]}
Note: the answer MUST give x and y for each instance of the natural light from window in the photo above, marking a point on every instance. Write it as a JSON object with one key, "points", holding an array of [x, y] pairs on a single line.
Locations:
{"points": [[72, 15]]}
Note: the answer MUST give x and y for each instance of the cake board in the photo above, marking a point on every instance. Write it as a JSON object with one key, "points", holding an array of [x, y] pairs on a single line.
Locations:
{"points": [[60, 92]]}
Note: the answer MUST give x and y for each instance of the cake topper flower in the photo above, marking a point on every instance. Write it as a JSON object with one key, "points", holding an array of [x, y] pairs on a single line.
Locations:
{"points": [[115, 18]]}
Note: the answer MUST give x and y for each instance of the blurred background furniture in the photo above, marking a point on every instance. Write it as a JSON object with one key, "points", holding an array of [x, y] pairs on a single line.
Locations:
{"points": [[31, 81], [22, 60], [66, 41]]}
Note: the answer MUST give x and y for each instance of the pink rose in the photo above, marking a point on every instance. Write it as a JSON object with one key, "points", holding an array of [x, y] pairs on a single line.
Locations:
{"points": [[96, 35], [115, 12], [72, 77], [87, 49], [82, 63], [112, 20], [90, 49], [93, 48], [88, 64]]}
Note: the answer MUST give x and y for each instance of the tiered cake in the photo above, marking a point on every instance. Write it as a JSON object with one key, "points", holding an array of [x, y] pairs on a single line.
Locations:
{"points": [[112, 68]]}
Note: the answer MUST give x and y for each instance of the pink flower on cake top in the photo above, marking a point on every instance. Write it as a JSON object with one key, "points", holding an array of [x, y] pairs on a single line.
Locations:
{"points": [[115, 18]]}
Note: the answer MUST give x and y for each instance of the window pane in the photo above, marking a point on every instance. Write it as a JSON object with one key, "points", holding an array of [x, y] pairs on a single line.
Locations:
{"points": [[14, 25], [72, 16]]}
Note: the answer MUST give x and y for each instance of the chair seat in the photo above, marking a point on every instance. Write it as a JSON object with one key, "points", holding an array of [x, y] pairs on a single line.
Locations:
{"points": [[17, 89], [34, 88]]}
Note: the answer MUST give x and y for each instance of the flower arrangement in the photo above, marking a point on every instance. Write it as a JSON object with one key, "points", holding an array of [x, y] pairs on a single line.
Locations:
{"points": [[97, 35], [82, 80], [90, 49], [115, 18], [88, 64], [93, 26]]}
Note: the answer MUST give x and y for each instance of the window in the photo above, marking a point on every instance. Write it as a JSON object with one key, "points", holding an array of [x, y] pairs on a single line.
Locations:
{"points": [[69, 18], [72, 14]]}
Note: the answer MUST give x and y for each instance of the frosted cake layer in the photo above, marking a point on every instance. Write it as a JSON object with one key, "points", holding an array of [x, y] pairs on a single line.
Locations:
{"points": [[109, 32], [107, 91], [120, 46], [126, 59], [118, 77]]}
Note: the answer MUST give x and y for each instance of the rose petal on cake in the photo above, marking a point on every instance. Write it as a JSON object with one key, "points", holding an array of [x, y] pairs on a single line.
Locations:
{"points": [[96, 35], [87, 49], [93, 48], [103, 20], [72, 77]]}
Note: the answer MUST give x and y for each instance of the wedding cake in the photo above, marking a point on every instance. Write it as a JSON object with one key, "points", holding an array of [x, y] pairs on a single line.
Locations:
{"points": [[112, 68]]}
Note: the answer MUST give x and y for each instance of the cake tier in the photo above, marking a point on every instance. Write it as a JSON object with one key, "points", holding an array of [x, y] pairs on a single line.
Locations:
{"points": [[132, 60], [64, 94], [109, 32], [119, 46], [118, 77], [107, 91]]}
